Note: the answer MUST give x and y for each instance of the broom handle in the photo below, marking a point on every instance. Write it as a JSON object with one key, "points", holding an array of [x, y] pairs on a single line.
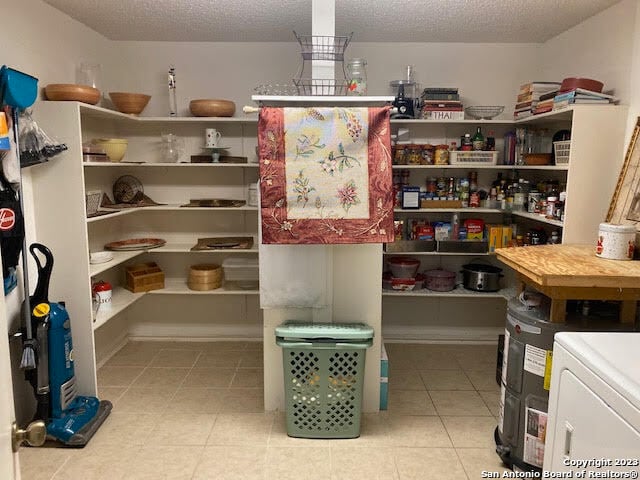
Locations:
{"points": [[25, 267]]}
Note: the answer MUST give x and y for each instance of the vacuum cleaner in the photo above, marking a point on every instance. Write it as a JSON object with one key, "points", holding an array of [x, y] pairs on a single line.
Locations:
{"points": [[70, 418]]}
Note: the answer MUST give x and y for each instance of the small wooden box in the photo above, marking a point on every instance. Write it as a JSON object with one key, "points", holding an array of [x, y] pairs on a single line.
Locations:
{"points": [[441, 204], [143, 277]]}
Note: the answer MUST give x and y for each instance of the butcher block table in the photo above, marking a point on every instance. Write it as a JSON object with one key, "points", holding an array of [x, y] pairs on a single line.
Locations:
{"points": [[573, 272]]}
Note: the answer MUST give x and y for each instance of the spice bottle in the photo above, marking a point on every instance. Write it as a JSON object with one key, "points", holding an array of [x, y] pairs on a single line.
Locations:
{"points": [[490, 143], [551, 207], [467, 143]]}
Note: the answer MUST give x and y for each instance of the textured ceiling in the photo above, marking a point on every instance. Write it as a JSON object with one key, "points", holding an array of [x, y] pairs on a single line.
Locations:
{"points": [[371, 20]]}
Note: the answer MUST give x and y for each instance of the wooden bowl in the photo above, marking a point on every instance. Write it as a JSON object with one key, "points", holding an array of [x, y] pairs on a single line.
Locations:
{"points": [[72, 92], [131, 103], [205, 276], [212, 108]]}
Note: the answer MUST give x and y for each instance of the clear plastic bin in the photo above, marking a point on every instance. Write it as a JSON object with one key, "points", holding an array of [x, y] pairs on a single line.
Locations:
{"points": [[241, 273], [323, 377]]}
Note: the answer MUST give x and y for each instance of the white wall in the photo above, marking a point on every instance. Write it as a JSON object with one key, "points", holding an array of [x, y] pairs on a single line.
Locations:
{"points": [[487, 74], [47, 44], [599, 48]]}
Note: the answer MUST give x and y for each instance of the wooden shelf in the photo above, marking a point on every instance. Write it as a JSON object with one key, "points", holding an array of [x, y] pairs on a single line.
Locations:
{"points": [[466, 121], [105, 113], [536, 217], [458, 292], [178, 286], [171, 208], [441, 210], [482, 167], [456, 167], [186, 248], [167, 165], [121, 299], [118, 258], [446, 254]]}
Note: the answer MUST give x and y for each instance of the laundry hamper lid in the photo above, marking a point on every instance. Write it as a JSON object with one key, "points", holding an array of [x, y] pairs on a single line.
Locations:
{"points": [[295, 329]]}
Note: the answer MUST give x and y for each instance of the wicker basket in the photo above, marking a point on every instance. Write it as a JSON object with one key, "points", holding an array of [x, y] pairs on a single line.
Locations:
{"points": [[561, 150], [144, 277], [205, 276]]}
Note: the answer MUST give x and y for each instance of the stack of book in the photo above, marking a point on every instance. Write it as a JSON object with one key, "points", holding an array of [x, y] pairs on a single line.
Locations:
{"points": [[441, 104], [580, 95], [530, 96]]}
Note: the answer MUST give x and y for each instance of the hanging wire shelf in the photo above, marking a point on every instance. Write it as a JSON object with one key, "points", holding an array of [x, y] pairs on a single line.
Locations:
{"points": [[321, 86], [320, 47]]}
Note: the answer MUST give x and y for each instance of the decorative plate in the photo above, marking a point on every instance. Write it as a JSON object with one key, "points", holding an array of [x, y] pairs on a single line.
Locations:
{"points": [[136, 244]]}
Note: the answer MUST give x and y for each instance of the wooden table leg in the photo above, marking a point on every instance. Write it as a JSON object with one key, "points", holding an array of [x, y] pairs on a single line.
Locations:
{"points": [[628, 311], [558, 310]]}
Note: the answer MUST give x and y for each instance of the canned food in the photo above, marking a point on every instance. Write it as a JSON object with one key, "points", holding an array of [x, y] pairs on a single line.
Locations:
{"points": [[441, 188], [432, 185]]}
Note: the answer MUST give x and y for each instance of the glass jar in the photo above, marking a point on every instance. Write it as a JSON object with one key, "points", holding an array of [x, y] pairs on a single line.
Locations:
{"points": [[441, 156], [399, 156], [428, 152], [414, 154], [357, 77], [172, 148]]}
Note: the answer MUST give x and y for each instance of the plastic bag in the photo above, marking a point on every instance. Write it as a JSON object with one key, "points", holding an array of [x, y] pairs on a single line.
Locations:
{"points": [[35, 145]]}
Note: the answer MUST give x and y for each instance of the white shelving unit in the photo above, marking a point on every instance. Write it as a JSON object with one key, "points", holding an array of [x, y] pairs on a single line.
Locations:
{"points": [[59, 194], [597, 134]]}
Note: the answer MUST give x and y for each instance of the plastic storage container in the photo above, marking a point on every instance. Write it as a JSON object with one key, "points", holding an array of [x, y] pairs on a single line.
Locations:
{"points": [[616, 242], [323, 377], [241, 273]]}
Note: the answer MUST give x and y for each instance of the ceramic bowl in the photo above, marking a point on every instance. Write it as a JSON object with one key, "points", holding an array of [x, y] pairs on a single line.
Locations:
{"points": [[131, 103], [115, 148]]}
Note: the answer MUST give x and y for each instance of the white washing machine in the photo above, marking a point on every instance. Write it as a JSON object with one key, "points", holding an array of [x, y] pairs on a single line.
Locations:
{"points": [[594, 404]]}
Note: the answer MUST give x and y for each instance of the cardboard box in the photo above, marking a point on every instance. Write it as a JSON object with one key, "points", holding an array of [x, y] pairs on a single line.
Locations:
{"points": [[494, 236], [384, 379], [507, 234]]}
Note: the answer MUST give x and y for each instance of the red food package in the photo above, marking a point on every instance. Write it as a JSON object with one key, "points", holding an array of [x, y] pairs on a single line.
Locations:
{"points": [[475, 228]]}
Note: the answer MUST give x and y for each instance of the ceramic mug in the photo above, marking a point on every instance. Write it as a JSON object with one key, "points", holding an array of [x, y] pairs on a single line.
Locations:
{"points": [[212, 137]]}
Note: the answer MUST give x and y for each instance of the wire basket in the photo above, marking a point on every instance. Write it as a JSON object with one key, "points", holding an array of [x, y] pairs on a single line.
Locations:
{"points": [[321, 86], [93, 201], [287, 89], [320, 47], [561, 150]]}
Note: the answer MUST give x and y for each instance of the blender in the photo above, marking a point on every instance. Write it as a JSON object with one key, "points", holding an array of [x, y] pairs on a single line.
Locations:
{"points": [[405, 100]]}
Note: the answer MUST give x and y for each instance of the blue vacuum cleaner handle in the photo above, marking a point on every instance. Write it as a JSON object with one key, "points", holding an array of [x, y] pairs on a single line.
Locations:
{"points": [[41, 292]]}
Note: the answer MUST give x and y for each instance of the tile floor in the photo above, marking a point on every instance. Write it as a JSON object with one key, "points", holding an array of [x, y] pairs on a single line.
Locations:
{"points": [[195, 411]]}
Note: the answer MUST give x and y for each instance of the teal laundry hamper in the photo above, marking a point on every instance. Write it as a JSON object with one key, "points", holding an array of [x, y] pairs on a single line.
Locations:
{"points": [[323, 377]]}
